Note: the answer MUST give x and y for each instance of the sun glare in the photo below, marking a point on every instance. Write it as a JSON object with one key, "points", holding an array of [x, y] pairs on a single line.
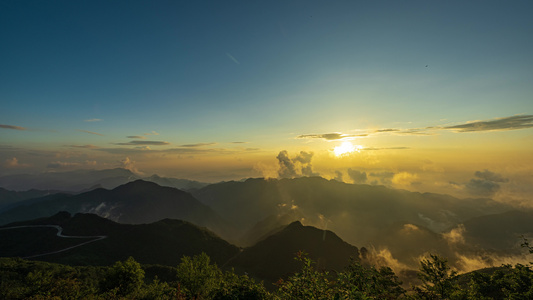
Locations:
{"points": [[345, 148]]}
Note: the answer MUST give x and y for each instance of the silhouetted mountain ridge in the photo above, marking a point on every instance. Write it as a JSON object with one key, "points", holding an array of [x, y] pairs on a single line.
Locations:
{"points": [[134, 202], [85, 180], [11, 198], [499, 231], [357, 212], [274, 257], [162, 242]]}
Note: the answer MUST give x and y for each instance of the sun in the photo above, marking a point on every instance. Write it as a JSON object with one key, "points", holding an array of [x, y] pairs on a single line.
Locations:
{"points": [[345, 148]]}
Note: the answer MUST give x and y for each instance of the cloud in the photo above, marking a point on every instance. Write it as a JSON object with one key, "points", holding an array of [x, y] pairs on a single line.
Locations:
{"points": [[198, 145], [13, 163], [93, 120], [498, 124], [487, 184], [338, 176], [233, 58], [340, 136], [83, 146], [143, 148], [414, 131], [152, 133], [456, 235], [179, 151], [388, 130], [144, 143], [384, 177], [12, 127], [286, 166], [482, 187], [490, 176], [357, 176], [136, 137], [304, 157], [329, 136], [62, 164], [409, 131], [90, 132], [239, 142], [129, 164], [296, 167], [405, 179]]}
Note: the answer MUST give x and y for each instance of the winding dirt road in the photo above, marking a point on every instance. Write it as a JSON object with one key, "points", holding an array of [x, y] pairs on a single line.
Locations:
{"points": [[60, 234]]}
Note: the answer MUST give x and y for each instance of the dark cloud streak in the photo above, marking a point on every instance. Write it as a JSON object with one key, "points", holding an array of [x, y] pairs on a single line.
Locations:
{"points": [[329, 136], [198, 145], [499, 124], [144, 143], [82, 146], [90, 132], [12, 127]]}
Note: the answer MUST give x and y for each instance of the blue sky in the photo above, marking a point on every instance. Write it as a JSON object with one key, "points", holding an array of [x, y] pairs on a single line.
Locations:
{"points": [[207, 74]]}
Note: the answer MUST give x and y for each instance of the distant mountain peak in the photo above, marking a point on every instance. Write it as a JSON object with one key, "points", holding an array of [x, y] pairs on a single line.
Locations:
{"points": [[295, 225], [137, 184]]}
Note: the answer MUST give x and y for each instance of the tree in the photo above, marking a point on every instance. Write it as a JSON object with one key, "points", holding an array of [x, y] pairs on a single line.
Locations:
{"points": [[197, 276], [124, 278], [359, 282], [438, 280], [233, 286], [307, 284], [158, 290]]}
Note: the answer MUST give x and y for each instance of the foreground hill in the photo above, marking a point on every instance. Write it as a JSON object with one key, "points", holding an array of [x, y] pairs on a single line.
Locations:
{"points": [[93, 240], [163, 242], [273, 257], [135, 202]]}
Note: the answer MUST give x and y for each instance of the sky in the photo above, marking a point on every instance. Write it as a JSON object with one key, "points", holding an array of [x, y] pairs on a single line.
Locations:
{"points": [[429, 96]]}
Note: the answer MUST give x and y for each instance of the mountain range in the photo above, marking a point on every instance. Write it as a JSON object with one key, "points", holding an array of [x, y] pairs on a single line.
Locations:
{"points": [[133, 203], [165, 242], [84, 180], [358, 213], [162, 242], [397, 225]]}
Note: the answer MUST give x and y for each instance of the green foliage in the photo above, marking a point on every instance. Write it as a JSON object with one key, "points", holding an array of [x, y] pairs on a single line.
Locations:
{"points": [[21, 279], [157, 290], [438, 280], [197, 276], [124, 278], [356, 282], [359, 282], [233, 287], [307, 284], [198, 279], [507, 283]]}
